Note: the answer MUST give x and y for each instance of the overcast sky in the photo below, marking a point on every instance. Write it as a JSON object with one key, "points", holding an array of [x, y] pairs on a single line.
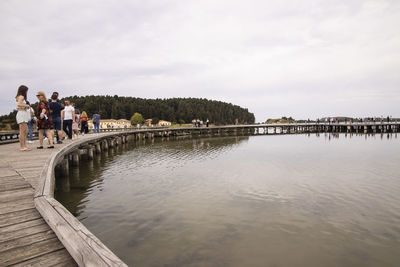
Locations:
{"points": [[304, 58]]}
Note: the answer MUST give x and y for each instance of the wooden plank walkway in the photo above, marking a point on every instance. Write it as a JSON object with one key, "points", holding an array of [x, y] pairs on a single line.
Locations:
{"points": [[25, 238]]}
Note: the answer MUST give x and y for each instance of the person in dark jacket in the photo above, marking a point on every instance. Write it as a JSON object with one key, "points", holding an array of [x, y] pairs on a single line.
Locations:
{"points": [[44, 121], [56, 108]]}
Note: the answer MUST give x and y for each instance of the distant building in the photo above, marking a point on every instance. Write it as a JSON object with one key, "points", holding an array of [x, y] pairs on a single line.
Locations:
{"points": [[148, 122], [164, 123], [111, 124]]}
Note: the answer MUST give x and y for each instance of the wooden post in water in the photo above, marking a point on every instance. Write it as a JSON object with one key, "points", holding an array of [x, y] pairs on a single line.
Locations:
{"points": [[90, 152], [105, 144], [75, 158], [65, 166], [98, 148]]}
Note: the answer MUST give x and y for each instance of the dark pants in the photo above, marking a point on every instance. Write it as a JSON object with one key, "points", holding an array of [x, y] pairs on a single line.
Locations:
{"points": [[57, 126], [84, 127], [30, 130], [68, 124]]}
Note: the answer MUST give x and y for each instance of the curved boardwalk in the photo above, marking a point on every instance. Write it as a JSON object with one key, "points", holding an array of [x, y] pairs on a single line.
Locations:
{"points": [[25, 237], [26, 179]]}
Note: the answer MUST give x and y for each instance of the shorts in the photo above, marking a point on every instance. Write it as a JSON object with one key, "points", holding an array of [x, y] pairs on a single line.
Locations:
{"points": [[57, 123], [23, 116]]}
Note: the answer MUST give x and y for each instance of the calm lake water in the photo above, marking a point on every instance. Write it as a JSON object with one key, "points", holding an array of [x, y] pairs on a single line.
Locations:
{"points": [[293, 200]]}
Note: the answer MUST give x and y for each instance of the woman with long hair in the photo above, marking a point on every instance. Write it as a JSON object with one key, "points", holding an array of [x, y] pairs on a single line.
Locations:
{"points": [[44, 121], [84, 123], [23, 116]]}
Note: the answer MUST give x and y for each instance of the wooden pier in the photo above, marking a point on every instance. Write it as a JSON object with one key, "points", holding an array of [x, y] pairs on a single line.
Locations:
{"points": [[32, 222], [25, 237]]}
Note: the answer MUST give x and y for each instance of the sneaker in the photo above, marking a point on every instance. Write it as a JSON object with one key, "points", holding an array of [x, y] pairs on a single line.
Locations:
{"points": [[45, 138], [59, 142]]}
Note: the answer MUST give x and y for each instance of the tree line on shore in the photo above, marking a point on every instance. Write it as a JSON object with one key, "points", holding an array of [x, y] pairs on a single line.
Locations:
{"points": [[176, 110]]}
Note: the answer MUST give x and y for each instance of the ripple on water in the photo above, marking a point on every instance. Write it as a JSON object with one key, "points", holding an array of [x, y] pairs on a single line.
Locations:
{"points": [[251, 201]]}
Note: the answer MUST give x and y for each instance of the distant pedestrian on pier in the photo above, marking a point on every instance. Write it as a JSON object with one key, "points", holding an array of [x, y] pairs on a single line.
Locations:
{"points": [[23, 116], [67, 115], [207, 122], [56, 107], [44, 122], [96, 122], [84, 123], [76, 122]]}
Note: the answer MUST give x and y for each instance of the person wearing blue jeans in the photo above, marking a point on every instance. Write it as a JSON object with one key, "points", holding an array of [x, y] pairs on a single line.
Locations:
{"points": [[56, 108], [30, 126], [96, 123], [30, 131]]}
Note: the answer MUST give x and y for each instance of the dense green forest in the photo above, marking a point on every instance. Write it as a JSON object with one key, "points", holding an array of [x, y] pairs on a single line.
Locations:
{"points": [[180, 110]]}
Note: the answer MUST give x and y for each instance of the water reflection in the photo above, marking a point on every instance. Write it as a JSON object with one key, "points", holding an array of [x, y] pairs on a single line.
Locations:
{"points": [[73, 190], [282, 200], [329, 136]]}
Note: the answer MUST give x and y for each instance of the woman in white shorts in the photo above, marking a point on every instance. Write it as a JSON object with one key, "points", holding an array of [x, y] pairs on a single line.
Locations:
{"points": [[23, 116]]}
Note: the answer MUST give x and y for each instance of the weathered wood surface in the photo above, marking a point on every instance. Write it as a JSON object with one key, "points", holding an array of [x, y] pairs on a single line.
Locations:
{"points": [[32, 222], [83, 246], [25, 238]]}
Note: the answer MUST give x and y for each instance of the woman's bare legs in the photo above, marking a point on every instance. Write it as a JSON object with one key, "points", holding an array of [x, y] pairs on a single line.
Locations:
{"points": [[50, 136], [41, 132], [23, 133]]}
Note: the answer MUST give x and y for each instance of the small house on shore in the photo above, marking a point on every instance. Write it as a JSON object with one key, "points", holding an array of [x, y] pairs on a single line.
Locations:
{"points": [[164, 123], [111, 123], [161, 123]]}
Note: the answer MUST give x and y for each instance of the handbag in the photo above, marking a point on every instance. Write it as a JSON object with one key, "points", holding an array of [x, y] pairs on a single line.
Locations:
{"points": [[33, 120]]}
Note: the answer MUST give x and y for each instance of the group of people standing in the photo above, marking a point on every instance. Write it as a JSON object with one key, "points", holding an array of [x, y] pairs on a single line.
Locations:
{"points": [[199, 123], [51, 116]]}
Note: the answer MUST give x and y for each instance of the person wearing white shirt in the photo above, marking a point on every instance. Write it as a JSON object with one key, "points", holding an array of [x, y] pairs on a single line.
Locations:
{"points": [[67, 114]]}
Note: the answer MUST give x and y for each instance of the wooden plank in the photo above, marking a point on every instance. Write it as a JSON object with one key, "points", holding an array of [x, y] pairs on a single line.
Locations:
{"points": [[14, 186], [57, 258], [31, 166], [10, 179], [4, 172], [10, 196], [26, 240], [22, 229], [47, 181], [22, 232], [23, 206], [18, 217], [107, 255], [13, 180], [81, 245], [21, 201], [20, 254], [30, 173]]}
